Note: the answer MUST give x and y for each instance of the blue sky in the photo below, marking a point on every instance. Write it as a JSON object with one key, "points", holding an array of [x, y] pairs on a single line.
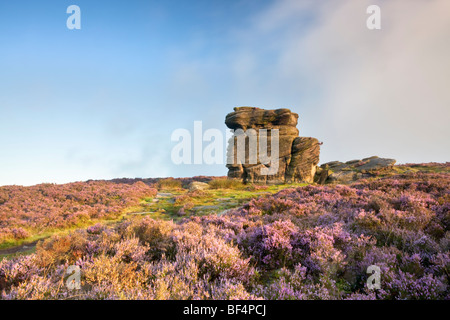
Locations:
{"points": [[102, 102]]}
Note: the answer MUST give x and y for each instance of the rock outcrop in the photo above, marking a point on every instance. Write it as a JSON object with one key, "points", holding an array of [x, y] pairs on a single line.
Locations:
{"points": [[340, 172], [297, 156]]}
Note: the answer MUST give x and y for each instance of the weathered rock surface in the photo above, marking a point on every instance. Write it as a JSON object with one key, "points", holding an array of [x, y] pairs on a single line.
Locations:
{"points": [[304, 159], [345, 172], [197, 185], [297, 156]]}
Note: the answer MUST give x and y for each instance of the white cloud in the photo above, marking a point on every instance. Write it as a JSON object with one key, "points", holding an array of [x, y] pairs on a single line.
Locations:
{"points": [[381, 92]]}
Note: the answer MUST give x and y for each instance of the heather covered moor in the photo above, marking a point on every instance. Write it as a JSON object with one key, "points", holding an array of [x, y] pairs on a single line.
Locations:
{"points": [[303, 242]]}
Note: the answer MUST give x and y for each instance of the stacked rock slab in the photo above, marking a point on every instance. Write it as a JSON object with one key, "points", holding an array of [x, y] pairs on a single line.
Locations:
{"points": [[297, 156]]}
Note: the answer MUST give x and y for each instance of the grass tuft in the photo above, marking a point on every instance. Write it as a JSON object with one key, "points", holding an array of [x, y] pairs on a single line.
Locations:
{"points": [[224, 183]]}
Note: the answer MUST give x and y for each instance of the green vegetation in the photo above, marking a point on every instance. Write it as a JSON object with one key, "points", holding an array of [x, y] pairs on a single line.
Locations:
{"points": [[420, 168], [314, 242], [175, 203], [18, 253], [224, 194], [166, 206]]}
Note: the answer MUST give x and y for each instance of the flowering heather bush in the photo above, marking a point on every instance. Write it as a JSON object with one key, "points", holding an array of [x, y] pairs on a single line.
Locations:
{"points": [[225, 183], [313, 242], [28, 210]]}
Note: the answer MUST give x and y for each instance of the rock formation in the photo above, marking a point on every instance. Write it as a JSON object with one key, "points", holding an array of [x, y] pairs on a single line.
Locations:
{"points": [[297, 156], [197, 185], [340, 172]]}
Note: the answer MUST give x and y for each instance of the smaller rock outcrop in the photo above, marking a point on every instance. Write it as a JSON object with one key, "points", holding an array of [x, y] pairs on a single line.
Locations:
{"points": [[197, 185], [345, 172]]}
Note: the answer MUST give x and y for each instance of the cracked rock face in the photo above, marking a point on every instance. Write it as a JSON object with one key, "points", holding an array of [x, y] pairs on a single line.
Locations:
{"points": [[297, 156]]}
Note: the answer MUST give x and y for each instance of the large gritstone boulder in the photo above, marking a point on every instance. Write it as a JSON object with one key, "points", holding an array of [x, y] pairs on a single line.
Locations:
{"points": [[286, 158]]}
